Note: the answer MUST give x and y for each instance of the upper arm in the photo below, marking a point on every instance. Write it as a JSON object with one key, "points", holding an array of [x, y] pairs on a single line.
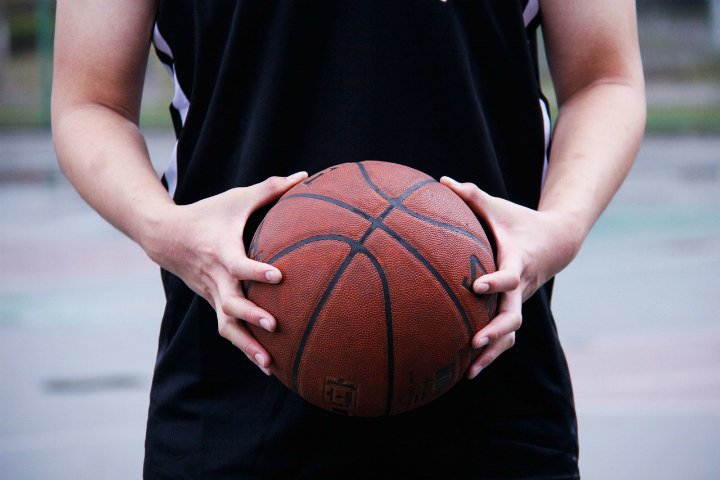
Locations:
{"points": [[591, 41], [101, 51]]}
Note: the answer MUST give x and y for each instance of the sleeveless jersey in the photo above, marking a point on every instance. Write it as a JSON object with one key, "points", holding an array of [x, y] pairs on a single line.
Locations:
{"points": [[271, 87]]}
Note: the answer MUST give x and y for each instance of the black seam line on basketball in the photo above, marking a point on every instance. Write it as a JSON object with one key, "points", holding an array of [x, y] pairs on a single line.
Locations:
{"points": [[388, 329], [371, 184], [398, 204], [446, 226], [401, 198], [303, 242], [397, 201], [419, 216], [316, 238], [318, 308], [404, 243], [332, 200], [357, 247], [375, 223], [374, 220], [434, 272], [381, 218]]}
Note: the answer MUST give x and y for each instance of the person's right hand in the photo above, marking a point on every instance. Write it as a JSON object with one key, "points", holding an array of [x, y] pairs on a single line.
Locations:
{"points": [[202, 243]]}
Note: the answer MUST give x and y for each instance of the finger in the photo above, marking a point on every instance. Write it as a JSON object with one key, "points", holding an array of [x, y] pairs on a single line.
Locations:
{"points": [[491, 353], [479, 201], [243, 268], [230, 329], [234, 304], [496, 282], [508, 319], [270, 189]]}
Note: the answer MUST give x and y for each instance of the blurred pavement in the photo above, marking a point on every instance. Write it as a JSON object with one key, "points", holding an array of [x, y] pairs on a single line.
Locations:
{"points": [[637, 311]]}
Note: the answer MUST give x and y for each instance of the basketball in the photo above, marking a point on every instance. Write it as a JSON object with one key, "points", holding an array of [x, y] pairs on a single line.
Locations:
{"points": [[375, 311]]}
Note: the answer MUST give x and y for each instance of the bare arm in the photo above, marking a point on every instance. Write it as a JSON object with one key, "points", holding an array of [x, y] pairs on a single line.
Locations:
{"points": [[101, 49], [595, 63]]}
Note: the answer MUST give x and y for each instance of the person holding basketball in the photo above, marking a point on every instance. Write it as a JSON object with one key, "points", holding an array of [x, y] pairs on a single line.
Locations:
{"points": [[266, 88]]}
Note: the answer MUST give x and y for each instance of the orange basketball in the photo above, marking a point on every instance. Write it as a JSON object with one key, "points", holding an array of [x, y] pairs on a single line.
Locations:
{"points": [[375, 311]]}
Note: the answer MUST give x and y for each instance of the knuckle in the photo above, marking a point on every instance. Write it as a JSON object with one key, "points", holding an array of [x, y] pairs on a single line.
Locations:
{"points": [[488, 360], [471, 189], [243, 309], [223, 327], [237, 269], [248, 314], [249, 356], [205, 292], [255, 270], [275, 182], [226, 305], [493, 335], [241, 342], [251, 317], [511, 340], [517, 323], [244, 346]]}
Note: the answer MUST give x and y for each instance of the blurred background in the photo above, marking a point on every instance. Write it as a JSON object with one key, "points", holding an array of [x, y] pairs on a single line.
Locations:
{"points": [[637, 311]]}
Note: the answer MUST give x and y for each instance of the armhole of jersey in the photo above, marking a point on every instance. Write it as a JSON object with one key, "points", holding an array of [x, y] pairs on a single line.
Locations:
{"points": [[546, 130], [531, 12], [532, 19], [179, 107]]}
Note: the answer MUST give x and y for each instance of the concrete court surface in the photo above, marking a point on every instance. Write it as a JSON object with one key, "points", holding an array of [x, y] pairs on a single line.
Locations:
{"points": [[637, 312]]}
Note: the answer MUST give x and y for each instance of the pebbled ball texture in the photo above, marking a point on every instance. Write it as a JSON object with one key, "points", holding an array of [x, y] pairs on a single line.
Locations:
{"points": [[375, 311]]}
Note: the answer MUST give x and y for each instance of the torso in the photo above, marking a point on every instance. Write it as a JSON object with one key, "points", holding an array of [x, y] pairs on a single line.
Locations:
{"points": [[270, 87]]}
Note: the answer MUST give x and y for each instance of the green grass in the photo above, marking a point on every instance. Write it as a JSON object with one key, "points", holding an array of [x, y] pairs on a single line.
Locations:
{"points": [[660, 120], [683, 119], [151, 117], [20, 118], [155, 116]]}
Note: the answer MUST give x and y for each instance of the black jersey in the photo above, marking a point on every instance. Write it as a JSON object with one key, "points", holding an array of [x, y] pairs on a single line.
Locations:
{"points": [[270, 87]]}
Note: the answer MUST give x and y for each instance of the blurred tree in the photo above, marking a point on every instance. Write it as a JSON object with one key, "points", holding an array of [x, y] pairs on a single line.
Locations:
{"points": [[44, 12], [22, 23], [715, 21], [4, 47]]}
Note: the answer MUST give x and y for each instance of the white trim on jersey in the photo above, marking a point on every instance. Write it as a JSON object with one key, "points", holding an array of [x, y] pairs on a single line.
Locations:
{"points": [[530, 13], [531, 10], [546, 128], [180, 102], [171, 172]]}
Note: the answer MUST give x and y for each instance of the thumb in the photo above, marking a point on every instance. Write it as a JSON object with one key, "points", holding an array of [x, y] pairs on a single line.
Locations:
{"points": [[270, 189], [479, 202]]}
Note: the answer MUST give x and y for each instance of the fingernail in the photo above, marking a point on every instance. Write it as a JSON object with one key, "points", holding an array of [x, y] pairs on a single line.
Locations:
{"points": [[266, 371], [474, 372], [267, 324], [482, 342], [273, 276], [296, 176], [481, 287], [260, 359], [451, 180]]}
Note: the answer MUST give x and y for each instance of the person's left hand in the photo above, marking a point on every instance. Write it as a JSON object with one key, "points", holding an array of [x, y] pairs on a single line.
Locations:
{"points": [[532, 247]]}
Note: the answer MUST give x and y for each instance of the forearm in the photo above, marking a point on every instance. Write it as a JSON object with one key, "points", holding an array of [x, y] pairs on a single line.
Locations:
{"points": [[598, 132], [594, 58], [100, 56], [104, 156]]}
